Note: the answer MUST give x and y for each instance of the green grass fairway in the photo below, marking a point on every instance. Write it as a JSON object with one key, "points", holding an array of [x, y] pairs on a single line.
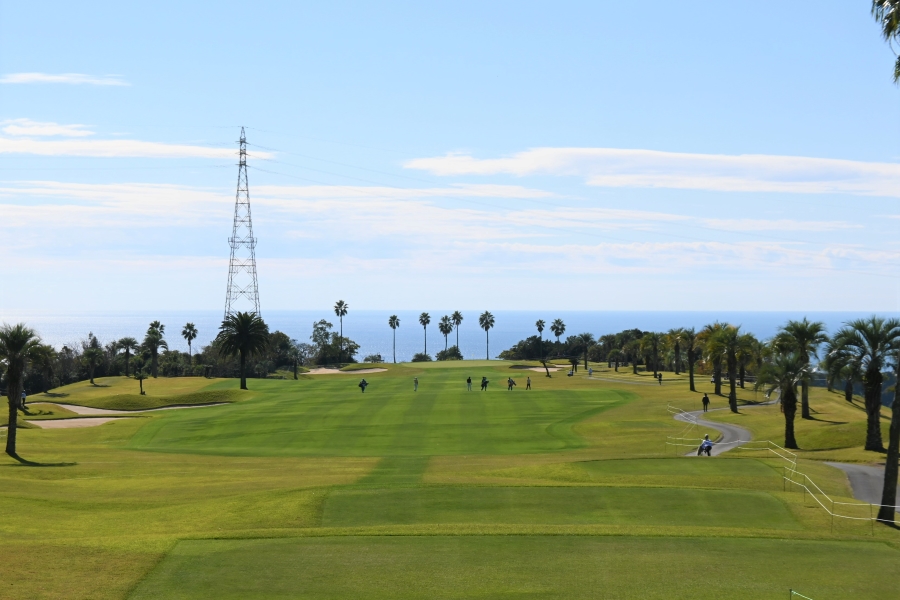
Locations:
{"points": [[568, 568], [550, 505], [389, 419], [309, 488]]}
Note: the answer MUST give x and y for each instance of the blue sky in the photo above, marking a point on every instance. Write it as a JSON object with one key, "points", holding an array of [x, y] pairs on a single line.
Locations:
{"points": [[407, 156]]}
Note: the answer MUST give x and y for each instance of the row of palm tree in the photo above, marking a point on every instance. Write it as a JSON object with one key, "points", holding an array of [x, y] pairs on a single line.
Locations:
{"points": [[446, 326]]}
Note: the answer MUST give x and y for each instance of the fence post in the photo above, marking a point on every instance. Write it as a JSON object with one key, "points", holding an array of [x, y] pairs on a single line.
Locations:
{"points": [[871, 519], [832, 516]]}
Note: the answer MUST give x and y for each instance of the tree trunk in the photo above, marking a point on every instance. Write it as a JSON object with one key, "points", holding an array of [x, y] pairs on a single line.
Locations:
{"points": [[804, 400], [295, 370], [677, 358], [13, 420], [848, 390], [341, 345], [789, 406], [395, 346], [741, 374], [243, 375], [488, 338], [617, 365], [425, 329], [634, 367], [127, 358], [546, 368], [732, 382], [889, 493], [141, 381], [155, 363], [717, 376], [873, 412], [691, 368], [92, 374]]}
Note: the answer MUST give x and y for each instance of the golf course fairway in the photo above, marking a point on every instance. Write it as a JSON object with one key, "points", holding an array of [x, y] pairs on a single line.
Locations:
{"points": [[310, 488]]}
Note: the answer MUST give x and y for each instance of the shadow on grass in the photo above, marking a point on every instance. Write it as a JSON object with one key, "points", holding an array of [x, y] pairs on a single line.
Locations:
{"points": [[24, 462], [55, 395]]}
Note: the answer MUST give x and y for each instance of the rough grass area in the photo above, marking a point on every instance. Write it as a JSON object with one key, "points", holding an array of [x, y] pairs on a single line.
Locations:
{"points": [[568, 568]]}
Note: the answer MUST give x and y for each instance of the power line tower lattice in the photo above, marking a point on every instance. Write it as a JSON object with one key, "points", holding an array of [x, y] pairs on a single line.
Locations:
{"points": [[243, 293]]}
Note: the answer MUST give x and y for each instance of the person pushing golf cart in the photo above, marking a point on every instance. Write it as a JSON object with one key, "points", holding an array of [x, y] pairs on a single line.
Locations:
{"points": [[705, 446]]}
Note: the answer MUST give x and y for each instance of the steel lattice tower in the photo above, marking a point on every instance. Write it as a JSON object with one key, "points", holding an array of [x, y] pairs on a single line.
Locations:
{"points": [[242, 287]]}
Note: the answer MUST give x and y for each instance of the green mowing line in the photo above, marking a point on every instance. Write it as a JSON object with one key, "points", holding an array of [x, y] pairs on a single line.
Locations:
{"points": [[546, 567]]}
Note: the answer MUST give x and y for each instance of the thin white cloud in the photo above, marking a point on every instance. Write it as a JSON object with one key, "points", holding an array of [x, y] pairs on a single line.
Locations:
{"points": [[27, 127], [778, 225], [114, 149], [68, 78], [616, 167]]}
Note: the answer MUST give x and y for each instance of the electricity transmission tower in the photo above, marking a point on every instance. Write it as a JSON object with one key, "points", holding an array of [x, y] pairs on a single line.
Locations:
{"points": [[242, 289]]}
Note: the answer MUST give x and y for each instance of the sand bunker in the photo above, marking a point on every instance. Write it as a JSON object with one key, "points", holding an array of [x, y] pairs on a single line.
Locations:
{"points": [[324, 371], [72, 423], [87, 410]]}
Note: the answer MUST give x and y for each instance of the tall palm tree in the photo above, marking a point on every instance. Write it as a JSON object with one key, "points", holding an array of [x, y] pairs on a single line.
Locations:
{"points": [[190, 334], [674, 338], [340, 309], [691, 344], [457, 319], [804, 338], [650, 347], [871, 343], [42, 358], [424, 320], [587, 340], [705, 336], [614, 355], [750, 353], [92, 357], [486, 322], [887, 13], [632, 351], [153, 341], [242, 334], [129, 345], [540, 325], [16, 343], [784, 373], [558, 328], [728, 343], [446, 328], [841, 364], [394, 323]]}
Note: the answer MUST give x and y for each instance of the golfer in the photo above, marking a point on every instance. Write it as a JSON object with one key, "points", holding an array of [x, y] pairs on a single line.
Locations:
{"points": [[23, 400], [591, 372], [415, 384], [469, 384], [705, 403], [362, 385], [510, 384], [528, 383], [705, 446], [484, 382], [659, 377]]}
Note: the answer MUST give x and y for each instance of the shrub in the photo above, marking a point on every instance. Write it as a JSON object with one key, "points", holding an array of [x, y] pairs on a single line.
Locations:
{"points": [[451, 353], [373, 358], [421, 357]]}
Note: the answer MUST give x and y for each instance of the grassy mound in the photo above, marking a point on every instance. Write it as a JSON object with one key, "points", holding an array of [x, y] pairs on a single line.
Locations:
{"points": [[138, 402]]}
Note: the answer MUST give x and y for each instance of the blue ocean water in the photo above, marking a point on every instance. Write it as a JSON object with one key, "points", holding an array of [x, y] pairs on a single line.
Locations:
{"points": [[370, 330]]}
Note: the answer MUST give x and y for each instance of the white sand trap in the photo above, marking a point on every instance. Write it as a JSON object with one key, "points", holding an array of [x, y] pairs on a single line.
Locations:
{"points": [[72, 423], [87, 410], [324, 371]]}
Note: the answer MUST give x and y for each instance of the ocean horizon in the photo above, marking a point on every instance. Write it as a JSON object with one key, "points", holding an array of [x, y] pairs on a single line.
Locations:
{"points": [[370, 330]]}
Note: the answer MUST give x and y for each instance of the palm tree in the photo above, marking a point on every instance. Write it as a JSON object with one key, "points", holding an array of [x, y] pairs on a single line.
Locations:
{"points": [[614, 355], [42, 357], [92, 356], [457, 319], [804, 338], [650, 347], [16, 343], [870, 343], [750, 353], [394, 323], [784, 373], [340, 309], [728, 343], [486, 321], [674, 338], [190, 334], [128, 344], [691, 343], [539, 324], [887, 13], [446, 328], [705, 336], [587, 340], [153, 341], [558, 328], [243, 334], [633, 351], [842, 364], [424, 320]]}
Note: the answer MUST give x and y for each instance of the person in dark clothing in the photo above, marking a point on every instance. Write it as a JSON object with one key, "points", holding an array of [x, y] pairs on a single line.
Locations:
{"points": [[484, 383], [362, 385], [469, 384], [705, 446], [705, 403], [510, 384]]}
